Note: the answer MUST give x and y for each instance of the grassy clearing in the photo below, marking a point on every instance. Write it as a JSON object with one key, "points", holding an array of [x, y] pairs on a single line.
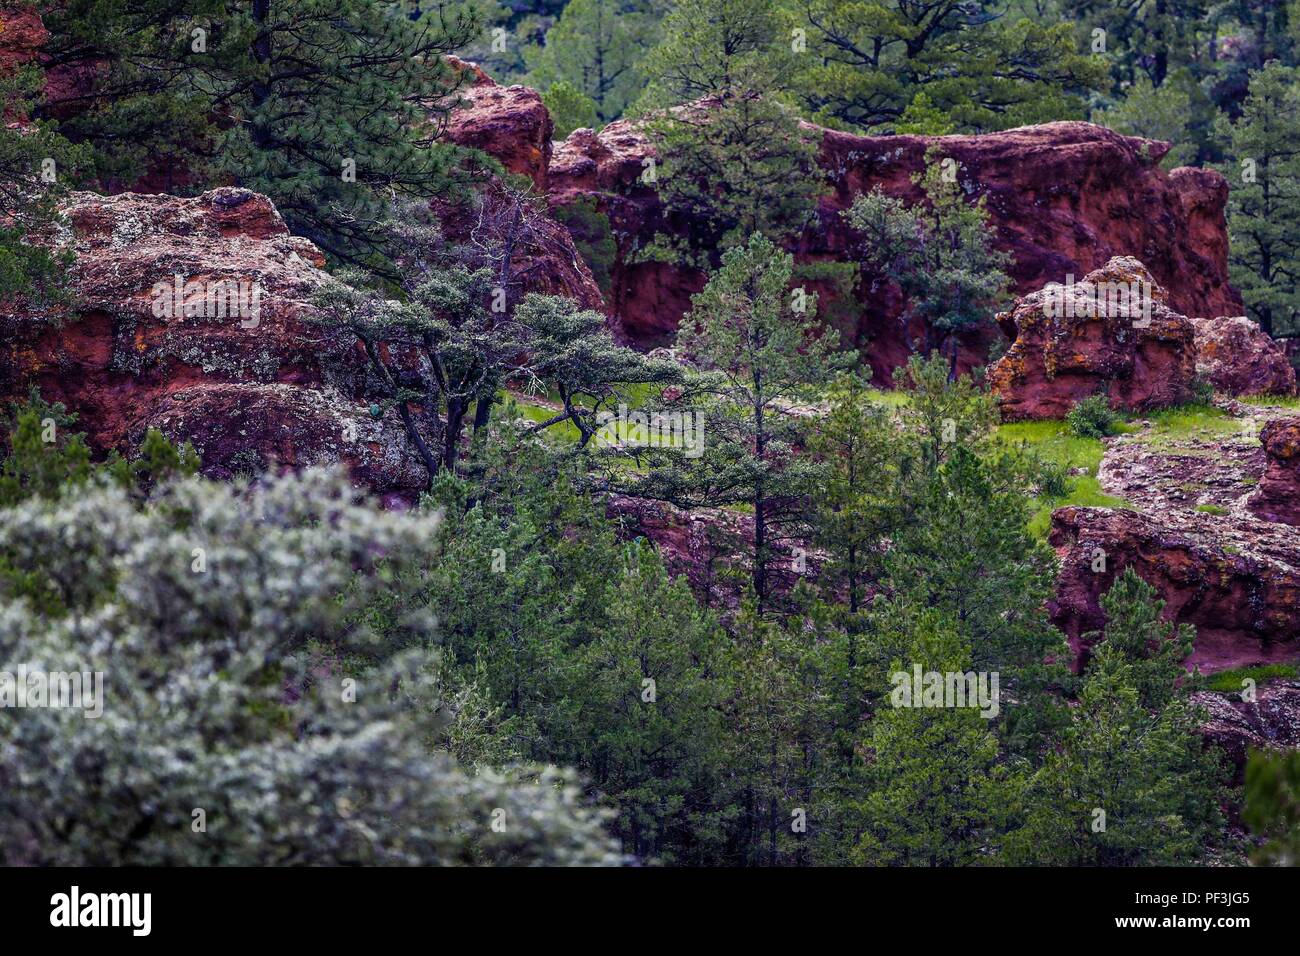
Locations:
{"points": [[1053, 442], [1229, 682]]}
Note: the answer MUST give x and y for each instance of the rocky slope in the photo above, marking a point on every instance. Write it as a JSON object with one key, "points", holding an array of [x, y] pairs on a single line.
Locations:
{"points": [[1270, 721], [1193, 531], [1064, 199], [1236, 579]]}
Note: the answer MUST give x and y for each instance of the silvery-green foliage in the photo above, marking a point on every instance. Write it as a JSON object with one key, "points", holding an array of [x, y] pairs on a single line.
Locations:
{"points": [[216, 701]]}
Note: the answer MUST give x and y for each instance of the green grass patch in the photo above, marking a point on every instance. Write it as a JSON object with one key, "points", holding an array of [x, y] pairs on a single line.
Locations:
{"points": [[1229, 682], [1212, 509], [1279, 401], [1188, 421], [890, 398], [1053, 442], [1085, 492]]}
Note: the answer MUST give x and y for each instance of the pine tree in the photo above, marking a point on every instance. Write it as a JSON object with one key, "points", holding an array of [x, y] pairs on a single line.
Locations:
{"points": [[1273, 806], [875, 66], [732, 159], [938, 252], [569, 107], [458, 316], [595, 48], [648, 727], [1264, 199], [937, 792], [778, 714], [327, 107], [858, 496], [1149, 41], [1131, 782], [1159, 113], [763, 351]]}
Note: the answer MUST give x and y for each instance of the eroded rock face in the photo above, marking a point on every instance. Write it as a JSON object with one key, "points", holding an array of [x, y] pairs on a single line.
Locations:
{"points": [[1064, 198], [1240, 359], [1270, 722], [1077, 340], [193, 316], [246, 428], [1278, 496], [510, 124], [1237, 579], [545, 259], [244, 376]]}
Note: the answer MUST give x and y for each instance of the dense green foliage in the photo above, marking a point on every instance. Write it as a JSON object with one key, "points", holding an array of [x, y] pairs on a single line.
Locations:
{"points": [[1264, 200], [938, 253], [327, 107], [510, 671]]}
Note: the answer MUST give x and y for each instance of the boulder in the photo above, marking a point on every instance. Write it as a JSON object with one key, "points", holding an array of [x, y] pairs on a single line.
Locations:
{"points": [[1239, 358], [1236, 579], [509, 123], [1278, 496], [1113, 333]]}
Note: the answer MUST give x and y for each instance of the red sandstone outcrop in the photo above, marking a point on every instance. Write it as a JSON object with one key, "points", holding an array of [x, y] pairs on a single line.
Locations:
{"points": [[244, 376], [1236, 579], [246, 428], [1064, 198], [508, 123], [545, 259], [1240, 359], [1278, 496], [512, 125], [1075, 341], [22, 34]]}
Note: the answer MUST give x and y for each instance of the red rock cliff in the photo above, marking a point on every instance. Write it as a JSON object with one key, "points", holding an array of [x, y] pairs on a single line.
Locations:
{"points": [[1064, 199]]}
